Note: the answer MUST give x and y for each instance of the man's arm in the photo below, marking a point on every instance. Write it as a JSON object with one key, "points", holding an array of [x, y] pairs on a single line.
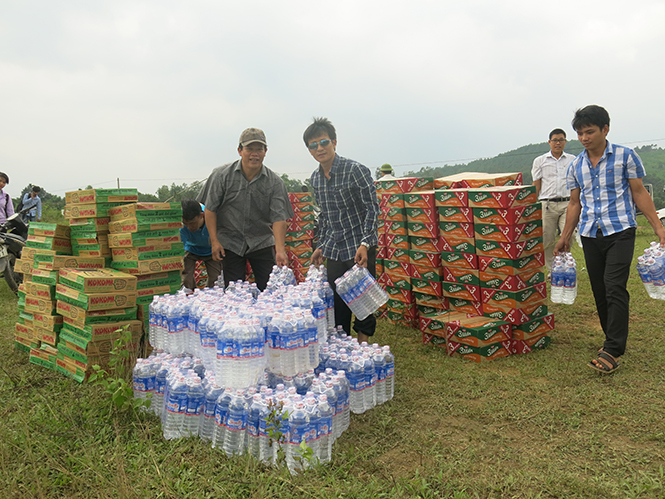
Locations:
{"points": [[538, 183], [279, 232], [645, 204], [572, 218], [211, 224], [39, 209], [371, 202]]}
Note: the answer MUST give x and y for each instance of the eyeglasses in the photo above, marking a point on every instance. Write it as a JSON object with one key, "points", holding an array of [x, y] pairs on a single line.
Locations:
{"points": [[558, 141], [315, 145]]}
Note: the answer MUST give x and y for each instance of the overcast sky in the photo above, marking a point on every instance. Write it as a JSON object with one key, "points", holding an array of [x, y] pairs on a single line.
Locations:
{"points": [[156, 92]]}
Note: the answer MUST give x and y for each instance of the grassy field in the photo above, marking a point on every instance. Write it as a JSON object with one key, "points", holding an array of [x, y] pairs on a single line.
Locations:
{"points": [[538, 425]]}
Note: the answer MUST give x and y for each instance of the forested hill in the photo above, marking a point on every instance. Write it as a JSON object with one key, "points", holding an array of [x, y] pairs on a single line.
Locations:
{"points": [[521, 159]]}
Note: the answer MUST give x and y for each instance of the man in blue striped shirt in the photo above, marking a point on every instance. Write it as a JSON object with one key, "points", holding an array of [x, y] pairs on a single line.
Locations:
{"points": [[346, 194], [606, 183]]}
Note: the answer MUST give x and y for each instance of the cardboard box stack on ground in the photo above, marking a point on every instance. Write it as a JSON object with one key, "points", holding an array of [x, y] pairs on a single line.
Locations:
{"points": [[406, 206], [95, 305], [145, 242], [473, 282], [300, 233], [87, 212]]}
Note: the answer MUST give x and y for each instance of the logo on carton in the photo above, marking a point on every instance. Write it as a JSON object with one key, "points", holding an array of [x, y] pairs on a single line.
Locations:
{"points": [[155, 266], [492, 350], [484, 213], [486, 231], [492, 283], [455, 288]]}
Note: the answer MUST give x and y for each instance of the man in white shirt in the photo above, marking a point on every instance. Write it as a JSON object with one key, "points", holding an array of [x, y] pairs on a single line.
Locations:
{"points": [[549, 177]]}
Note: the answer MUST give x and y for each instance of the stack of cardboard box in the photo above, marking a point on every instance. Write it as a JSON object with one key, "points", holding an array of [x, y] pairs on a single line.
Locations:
{"points": [[95, 304], [300, 233], [394, 268], [145, 241], [87, 212]]}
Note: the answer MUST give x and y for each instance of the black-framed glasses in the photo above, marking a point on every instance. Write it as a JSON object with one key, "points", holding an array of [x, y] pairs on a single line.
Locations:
{"points": [[315, 145]]}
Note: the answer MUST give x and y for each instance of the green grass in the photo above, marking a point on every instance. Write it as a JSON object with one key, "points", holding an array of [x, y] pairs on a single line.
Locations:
{"points": [[540, 425]]}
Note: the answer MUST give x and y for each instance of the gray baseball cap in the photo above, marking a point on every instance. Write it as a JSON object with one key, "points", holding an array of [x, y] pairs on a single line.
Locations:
{"points": [[252, 135]]}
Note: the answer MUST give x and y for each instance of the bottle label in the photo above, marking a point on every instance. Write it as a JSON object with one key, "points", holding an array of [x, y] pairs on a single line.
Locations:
{"points": [[253, 429], [236, 422], [297, 433], [220, 416], [325, 425]]}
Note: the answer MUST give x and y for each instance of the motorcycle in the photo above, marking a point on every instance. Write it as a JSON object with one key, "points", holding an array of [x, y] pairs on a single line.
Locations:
{"points": [[13, 235]]}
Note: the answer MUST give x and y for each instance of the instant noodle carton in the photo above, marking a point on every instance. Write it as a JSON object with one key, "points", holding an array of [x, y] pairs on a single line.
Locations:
{"points": [[508, 216], [394, 200], [433, 288], [394, 227], [511, 282], [455, 214], [512, 251], [403, 295], [393, 213], [80, 318], [470, 307], [42, 291], [397, 269], [147, 212], [509, 233], [166, 264], [94, 210], [97, 224], [509, 266], [427, 244], [462, 230], [397, 241], [478, 180], [44, 229], [425, 215], [131, 225], [420, 199], [104, 331], [57, 262], [423, 229], [452, 197], [96, 301], [454, 244], [436, 302], [459, 260], [97, 281], [61, 246], [434, 274], [464, 291], [301, 197], [503, 197], [514, 299], [300, 235], [518, 347], [484, 353], [147, 238], [95, 196], [517, 315], [478, 331], [398, 254], [461, 276], [425, 258]]}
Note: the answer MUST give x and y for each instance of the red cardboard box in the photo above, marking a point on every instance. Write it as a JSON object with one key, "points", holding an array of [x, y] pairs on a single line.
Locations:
{"points": [[397, 241], [428, 244], [424, 258], [518, 315], [534, 328], [478, 331], [509, 233], [511, 282], [398, 254], [392, 200], [397, 269], [508, 266], [478, 180], [503, 197], [456, 229], [459, 244], [479, 354], [403, 295], [452, 197], [508, 216], [518, 347], [427, 287], [459, 260], [461, 276], [425, 215], [455, 214], [395, 227], [426, 273], [300, 235], [467, 306], [514, 299], [393, 213], [425, 300], [420, 199], [512, 251], [423, 229], [463, 291]]}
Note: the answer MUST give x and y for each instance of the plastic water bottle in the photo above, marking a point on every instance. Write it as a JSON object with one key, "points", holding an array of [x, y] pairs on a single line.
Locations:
{"points": [[656, 265], [370, 383], [324, 429], [253, 424], [195, 406], [208, 422], [221, 413], [266, 452], [569, 281], [390, 373], [558, 280], [356, 376], [313, 418], [361, 292], [139, 379], [236, 425], [160, 386], [645, 276], [176, 407], [298, 427], [346, 415], [330, 304], [380, 369], [152, 321]]}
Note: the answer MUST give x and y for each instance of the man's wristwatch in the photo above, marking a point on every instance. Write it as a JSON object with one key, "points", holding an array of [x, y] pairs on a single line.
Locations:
{"points": [[364, 244]]}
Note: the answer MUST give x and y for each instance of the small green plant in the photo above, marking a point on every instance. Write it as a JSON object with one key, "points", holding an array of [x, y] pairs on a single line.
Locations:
{"points": [[115, 382], [274, 429]]}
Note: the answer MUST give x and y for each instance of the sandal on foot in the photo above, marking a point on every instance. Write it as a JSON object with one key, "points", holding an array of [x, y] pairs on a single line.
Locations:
{"points": [[606, 364]]}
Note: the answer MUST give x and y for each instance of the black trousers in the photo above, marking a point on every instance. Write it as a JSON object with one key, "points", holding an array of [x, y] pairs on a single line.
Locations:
{"points": [[261, 261], [336, 268], [608, 261]]}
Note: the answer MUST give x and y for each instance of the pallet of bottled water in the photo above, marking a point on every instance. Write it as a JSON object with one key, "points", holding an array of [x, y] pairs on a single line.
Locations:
{"points": [[226, 359], [564, 279], [651, 268], [361, 292]]}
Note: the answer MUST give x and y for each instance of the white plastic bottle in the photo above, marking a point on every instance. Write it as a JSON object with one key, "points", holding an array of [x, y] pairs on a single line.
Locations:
{"points": [[557, 280], [569, 281]]}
